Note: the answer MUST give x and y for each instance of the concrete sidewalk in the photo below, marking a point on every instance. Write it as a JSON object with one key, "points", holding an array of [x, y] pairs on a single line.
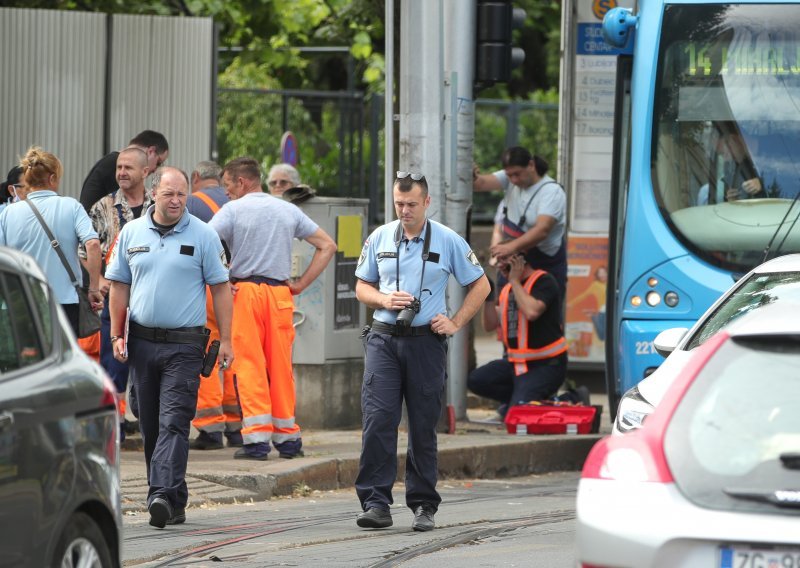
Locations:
{"points": [[476, 450]]}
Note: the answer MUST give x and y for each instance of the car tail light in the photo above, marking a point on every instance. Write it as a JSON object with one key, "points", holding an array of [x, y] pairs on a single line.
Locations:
{"points": [[634, 457], [639, 455]]}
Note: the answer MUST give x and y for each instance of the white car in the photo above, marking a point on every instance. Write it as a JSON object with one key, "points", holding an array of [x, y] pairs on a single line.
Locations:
{"points": [[777, 280], [712, 478]]}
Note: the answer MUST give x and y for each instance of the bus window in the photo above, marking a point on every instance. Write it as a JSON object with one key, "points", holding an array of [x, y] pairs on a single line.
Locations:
{"points": [[726, 130]]}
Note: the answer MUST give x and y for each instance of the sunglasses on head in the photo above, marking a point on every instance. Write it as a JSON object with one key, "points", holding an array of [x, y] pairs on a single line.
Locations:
{"points": [[412, 175]]}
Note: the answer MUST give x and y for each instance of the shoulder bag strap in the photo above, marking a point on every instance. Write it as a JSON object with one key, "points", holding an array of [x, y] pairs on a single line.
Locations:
{"points": [[522, 219], [53, 241]]}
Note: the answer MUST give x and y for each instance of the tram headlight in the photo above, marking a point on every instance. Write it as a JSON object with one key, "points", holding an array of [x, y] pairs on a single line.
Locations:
{"points": [[636, 301], [671, 299], [652, 281], [653, 298]]}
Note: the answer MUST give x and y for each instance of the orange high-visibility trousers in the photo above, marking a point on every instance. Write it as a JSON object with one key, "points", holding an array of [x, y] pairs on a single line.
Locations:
{"points": [[262, 346], [217, 405]]}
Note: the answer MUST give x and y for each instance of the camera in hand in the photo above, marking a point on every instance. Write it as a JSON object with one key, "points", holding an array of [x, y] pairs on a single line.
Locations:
{"points": [[406, 315]]}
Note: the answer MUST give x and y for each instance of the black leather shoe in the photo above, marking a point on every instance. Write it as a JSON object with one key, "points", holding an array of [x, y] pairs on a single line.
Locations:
{"points": [[423, 519], [160, 512], [374, 518], [241, 454], [178, 517]]}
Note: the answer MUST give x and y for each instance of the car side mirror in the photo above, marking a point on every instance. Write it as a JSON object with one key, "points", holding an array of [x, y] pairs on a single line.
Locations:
{"points": [[666, 341]]}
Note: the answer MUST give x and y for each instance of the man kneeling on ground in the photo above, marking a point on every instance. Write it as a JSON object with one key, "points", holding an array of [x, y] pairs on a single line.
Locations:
{"points": [[529, 315]]}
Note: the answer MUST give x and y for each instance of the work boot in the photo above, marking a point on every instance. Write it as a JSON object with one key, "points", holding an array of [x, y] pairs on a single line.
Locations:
{"points": [[207, 441], [178, 517], [286, 456], [234, 439], [374, 518], [160, 512], [423, 519], [258, 451]]}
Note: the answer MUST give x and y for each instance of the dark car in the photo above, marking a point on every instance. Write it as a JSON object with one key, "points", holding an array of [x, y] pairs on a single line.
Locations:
{"points": [[59, 433]]}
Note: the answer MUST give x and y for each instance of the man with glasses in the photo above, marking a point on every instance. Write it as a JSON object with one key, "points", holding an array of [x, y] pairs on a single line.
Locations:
{"points": [[102, 178], [259, 229], [402, 274], [281, 177]]}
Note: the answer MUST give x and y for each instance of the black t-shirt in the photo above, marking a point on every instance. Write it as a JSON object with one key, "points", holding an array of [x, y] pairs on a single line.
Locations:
{"points": [[137, 211], [101, 181], [547, 328]]}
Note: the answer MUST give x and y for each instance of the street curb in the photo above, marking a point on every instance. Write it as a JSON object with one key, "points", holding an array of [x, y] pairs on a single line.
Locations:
{"points": [[509, 458]]}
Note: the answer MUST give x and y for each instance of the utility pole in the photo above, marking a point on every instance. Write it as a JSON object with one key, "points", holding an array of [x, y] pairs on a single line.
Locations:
{"points": [[437, 124]]}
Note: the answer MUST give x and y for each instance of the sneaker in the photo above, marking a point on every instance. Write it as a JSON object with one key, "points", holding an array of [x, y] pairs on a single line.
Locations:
{"points": [[234, 439], [374, 518], [160, 512], [423, 519], [178, 517], [207, 441], [243, 454]]}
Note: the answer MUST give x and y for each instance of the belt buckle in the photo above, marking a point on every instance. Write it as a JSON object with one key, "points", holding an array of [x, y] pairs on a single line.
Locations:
{"points": [[160, 335]]}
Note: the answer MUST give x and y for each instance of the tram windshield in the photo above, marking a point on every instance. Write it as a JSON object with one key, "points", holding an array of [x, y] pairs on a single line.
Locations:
{"points": [[726, 130]]}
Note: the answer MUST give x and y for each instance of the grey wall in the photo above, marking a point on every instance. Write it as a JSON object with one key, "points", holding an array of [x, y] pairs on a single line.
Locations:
{"points": [[56, 92]]}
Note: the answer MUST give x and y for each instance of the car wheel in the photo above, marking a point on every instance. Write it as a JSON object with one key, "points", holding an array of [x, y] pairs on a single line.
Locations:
{"points": [[82, 545]]}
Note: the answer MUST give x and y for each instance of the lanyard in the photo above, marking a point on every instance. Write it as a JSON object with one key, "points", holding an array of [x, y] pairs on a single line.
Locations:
{"points": [[426, 246]]}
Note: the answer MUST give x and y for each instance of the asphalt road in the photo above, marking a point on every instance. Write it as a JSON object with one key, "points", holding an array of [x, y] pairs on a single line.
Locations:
{"points": [[509, 522]]}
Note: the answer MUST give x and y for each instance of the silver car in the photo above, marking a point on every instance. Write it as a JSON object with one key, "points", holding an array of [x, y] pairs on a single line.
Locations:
{"points": [[712, 478], [775, 281], [59, 434]]}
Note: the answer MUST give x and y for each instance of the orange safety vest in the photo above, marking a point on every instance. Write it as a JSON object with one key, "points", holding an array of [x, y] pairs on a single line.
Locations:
{"points": [[205, 198], [522, 353]]}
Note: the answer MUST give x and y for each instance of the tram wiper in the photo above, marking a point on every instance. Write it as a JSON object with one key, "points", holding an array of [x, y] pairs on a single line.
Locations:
{"points": [[778, 230]]}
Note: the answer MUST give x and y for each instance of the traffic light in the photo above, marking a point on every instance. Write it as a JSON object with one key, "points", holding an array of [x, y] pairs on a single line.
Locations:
{"points": [[495, 56]]}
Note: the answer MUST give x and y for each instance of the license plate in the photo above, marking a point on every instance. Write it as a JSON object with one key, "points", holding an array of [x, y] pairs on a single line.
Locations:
{"points": [[749, 557]]}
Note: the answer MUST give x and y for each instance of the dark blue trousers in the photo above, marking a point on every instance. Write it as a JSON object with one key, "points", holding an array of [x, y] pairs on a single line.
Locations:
{"points": [[166, 377], [116, 370], [496, 380], [397, 369]]}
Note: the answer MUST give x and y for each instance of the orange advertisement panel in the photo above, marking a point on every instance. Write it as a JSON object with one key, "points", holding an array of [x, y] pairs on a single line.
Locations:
{"points": [[587, 274]]}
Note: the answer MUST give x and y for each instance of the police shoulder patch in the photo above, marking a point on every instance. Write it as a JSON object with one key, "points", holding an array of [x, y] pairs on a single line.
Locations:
{"points": [[363, 256], [472, 258]]}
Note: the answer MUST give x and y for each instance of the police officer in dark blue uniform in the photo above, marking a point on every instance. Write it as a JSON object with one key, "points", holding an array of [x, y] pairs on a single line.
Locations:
{"points": [[159, 272], [403, 273]]}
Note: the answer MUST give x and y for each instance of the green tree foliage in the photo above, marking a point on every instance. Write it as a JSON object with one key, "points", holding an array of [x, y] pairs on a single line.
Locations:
{"points": [[264, 47]]}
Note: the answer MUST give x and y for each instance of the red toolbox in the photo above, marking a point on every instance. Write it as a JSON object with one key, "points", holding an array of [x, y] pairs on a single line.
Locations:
{"points": [[553, 419]]}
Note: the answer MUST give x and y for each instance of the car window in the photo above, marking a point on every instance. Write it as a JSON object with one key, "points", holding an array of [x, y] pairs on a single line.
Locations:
{"points": [[737, 424], [760, 290], [19, 341], [41, 300]]}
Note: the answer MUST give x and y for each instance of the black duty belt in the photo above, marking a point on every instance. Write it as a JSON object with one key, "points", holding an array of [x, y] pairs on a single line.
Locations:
{"points": [[188, 335], [380, 327], [260, 280]]}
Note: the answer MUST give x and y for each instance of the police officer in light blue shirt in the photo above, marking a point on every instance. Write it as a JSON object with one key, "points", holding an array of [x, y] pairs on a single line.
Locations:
{"points": [[403, 273], [158, 271]]}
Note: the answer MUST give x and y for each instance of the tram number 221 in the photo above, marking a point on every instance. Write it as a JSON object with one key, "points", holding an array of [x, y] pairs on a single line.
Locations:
{"points": [[645, 348]]}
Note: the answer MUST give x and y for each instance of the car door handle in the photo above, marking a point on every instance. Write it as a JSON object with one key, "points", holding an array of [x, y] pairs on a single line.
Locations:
{"points": [[6, 420]]}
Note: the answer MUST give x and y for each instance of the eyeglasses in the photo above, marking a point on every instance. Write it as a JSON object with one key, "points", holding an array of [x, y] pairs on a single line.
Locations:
{"points": [[278, 182], [412, 175], [17, 187]]}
